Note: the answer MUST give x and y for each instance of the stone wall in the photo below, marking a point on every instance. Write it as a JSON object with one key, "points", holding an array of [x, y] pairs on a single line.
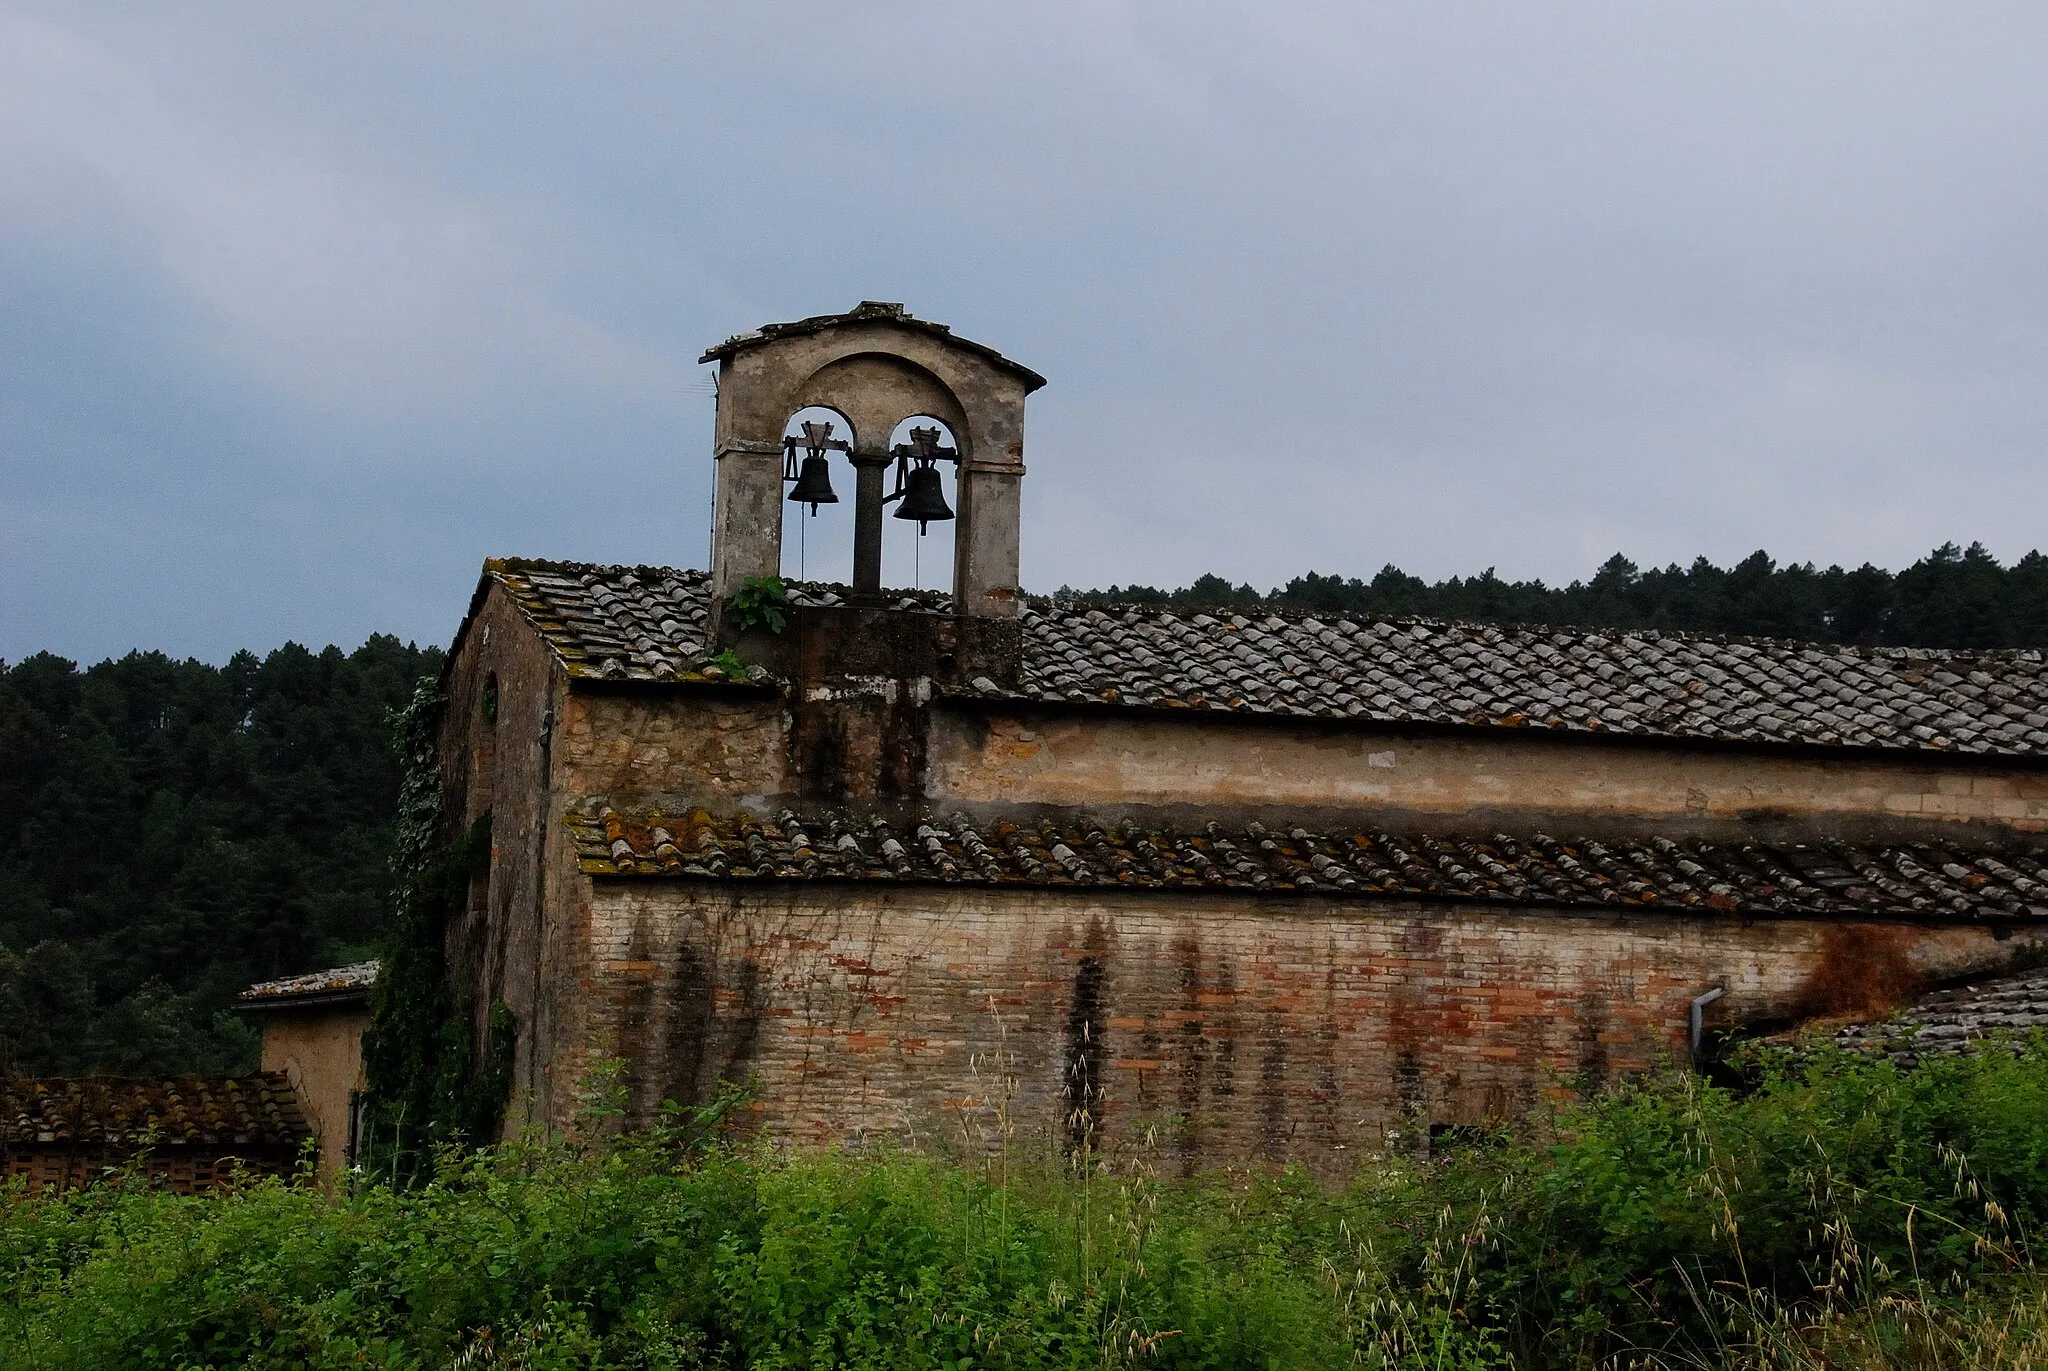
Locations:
{"points": [[700, 744], [508, 944], [1210, 1029]]}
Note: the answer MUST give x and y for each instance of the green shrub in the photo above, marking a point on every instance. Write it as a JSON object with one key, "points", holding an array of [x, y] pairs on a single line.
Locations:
{"points": [[1843, 1212], [760, 602]]}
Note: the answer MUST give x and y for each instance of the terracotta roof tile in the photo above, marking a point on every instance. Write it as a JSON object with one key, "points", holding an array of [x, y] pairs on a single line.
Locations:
{"points": [[131, 1112], [1948, 1021], [648, 624], [1946, 880], [333, 983]]}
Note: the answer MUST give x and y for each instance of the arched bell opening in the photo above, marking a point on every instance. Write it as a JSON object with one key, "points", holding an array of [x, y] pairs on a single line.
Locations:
{"points": [[917, 551], [817, 535]]}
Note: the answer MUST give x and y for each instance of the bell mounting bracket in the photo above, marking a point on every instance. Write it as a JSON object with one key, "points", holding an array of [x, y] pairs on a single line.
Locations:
{"points": [[923, 449], [816, 442]]}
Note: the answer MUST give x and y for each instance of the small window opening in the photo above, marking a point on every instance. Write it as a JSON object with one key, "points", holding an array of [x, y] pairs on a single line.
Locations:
{"points": [[490, 699], [353, 1156]]}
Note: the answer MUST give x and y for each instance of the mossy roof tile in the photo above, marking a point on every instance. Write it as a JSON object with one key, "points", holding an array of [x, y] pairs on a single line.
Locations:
{"points": [[1950, 879]]}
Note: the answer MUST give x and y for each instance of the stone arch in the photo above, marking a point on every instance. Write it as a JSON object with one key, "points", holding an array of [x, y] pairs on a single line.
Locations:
{"points": [[847, 428], [877, 392]]}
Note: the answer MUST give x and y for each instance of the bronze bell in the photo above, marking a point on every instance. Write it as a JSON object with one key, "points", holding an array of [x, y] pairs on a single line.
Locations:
{"points": [[814, 484], [924, 497]]}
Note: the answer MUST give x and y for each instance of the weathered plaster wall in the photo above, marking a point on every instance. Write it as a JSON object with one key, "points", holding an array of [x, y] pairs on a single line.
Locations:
{"points": [[1096, 760], [698, 744], [320, 1050], [1215, 1029], [734, 748]]}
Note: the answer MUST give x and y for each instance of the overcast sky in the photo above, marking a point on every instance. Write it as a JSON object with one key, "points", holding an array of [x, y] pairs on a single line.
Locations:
{"points": [[304, 311]]}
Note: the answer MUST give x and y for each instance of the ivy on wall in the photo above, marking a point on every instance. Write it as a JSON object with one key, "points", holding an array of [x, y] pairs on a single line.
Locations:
{"points": [[428, 1085]]}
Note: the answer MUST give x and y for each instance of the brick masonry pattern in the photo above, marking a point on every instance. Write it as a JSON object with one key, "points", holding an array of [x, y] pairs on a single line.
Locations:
{"points": [[1216, 1029]]}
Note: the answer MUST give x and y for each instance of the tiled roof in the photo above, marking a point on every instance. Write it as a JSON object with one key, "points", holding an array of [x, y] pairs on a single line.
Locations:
{"points": [[1926, 879], [615, 622], [124, 1112], [1947, 1021], [648, 624], [336, 982], [870, 312]]}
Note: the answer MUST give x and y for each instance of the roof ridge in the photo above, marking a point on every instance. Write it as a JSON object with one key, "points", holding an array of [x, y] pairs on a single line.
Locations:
{"points": [[650, 623], [1052, 604], [501, 566], [1526, 626]]}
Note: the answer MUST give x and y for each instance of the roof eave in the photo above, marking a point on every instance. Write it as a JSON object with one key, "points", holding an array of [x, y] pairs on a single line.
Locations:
{"points": [[770, 333], [308, 1000], [1740, 913]]}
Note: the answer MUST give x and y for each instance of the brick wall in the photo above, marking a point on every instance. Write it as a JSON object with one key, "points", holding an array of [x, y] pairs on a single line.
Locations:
{"points": [[1209, 1030], [181, 1169]]}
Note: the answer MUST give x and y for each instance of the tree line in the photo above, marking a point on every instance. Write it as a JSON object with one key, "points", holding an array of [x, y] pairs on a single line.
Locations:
{"points": [[1953, 597]]}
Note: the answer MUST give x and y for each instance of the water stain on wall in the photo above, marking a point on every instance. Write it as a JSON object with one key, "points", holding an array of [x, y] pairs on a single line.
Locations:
{"points": [[1081, 1090], [1865, 971], [1593, 1062], [1191, 1053]]}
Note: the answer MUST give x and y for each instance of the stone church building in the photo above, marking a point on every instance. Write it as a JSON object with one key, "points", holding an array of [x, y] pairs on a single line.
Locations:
{"points": [[928, 867]]}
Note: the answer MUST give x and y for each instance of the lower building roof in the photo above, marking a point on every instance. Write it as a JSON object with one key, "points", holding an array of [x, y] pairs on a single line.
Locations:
{"points": [[1950, 1020], [135, 1112], [335, 985], [1959, 878]]}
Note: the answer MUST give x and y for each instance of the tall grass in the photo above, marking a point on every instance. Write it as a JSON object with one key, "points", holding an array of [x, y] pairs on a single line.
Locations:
{"points": [[1840, 1213]]}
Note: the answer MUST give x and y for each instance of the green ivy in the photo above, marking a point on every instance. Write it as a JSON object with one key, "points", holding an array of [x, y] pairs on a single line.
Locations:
{"points": [[729, 662], [428, 1087], [761, 601]]}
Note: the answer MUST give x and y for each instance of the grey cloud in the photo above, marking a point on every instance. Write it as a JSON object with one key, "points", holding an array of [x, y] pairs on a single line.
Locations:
{"points": [[307, 311]]}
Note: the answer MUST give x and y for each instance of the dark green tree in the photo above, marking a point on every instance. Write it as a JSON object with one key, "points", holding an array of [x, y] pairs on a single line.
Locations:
{"points": [[172, 831], [1957, 598]]}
